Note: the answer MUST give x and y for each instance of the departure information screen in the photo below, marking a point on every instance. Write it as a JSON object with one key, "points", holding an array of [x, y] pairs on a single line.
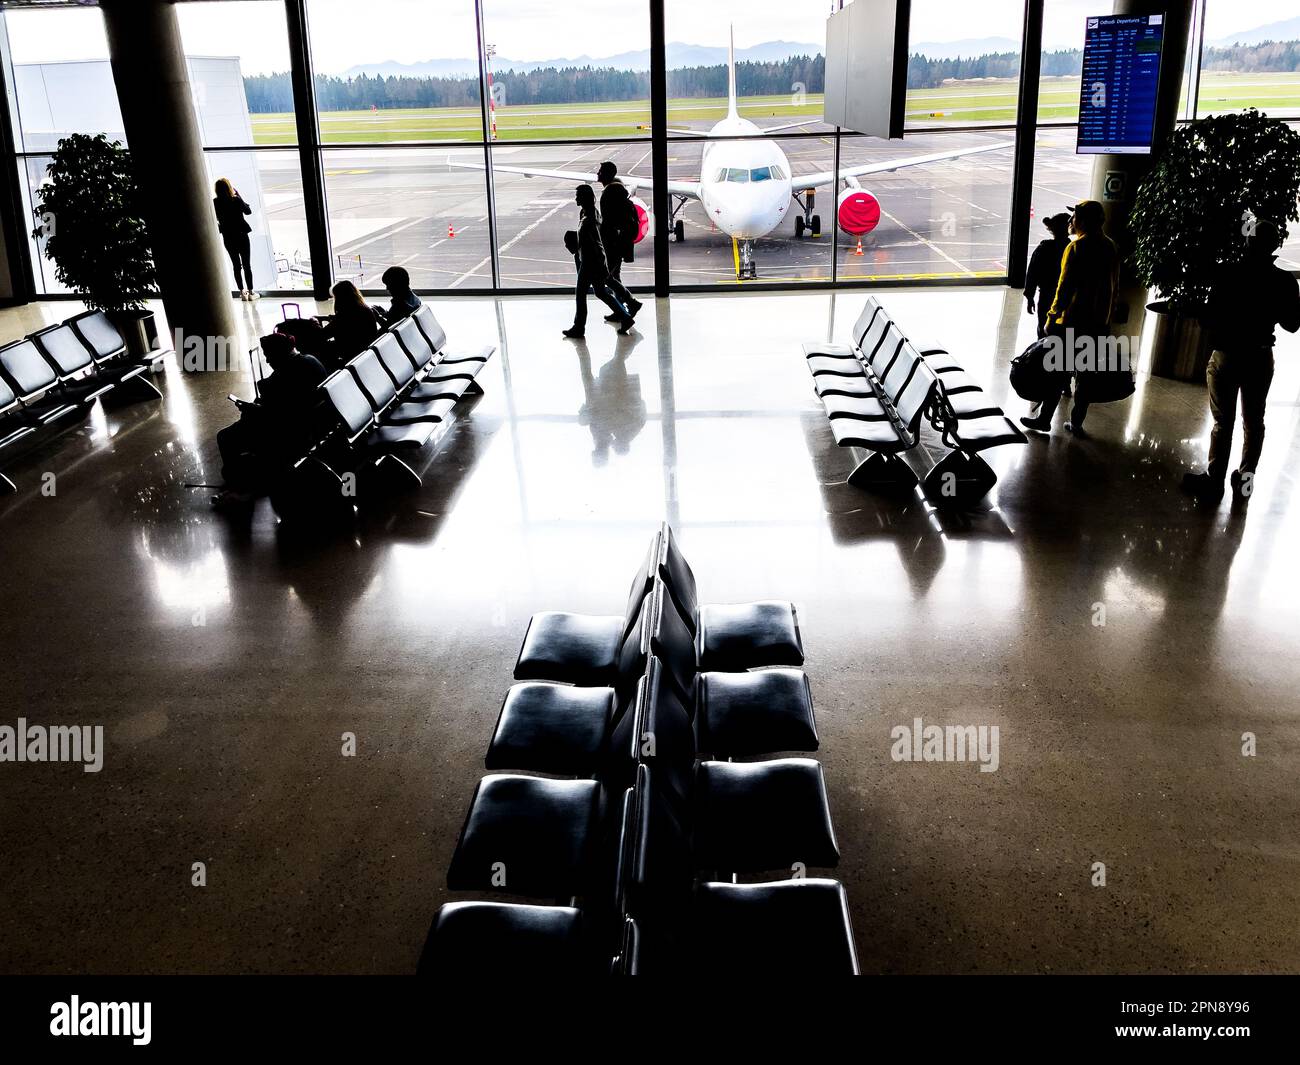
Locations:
{"points": [[1117, 100]]}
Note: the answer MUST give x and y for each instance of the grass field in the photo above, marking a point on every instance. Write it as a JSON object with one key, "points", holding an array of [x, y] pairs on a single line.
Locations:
{"points": [[956, 103]]}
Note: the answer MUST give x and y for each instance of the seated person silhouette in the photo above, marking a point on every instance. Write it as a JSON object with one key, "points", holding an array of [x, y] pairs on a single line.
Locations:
{"points": [[271, 430], [404, 302]]}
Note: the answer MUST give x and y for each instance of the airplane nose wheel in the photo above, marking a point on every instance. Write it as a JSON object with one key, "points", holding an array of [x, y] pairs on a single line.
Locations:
{"points": [[679, 231], [816, 225], [747, 269], [798, 225]]}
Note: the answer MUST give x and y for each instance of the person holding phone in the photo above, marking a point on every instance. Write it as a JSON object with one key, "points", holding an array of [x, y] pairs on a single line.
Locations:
{"points": [[232, 222]]}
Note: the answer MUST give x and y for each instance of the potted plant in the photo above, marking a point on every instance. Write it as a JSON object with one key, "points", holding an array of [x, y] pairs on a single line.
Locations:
{"points": [[93, 230], [1192, 213]]}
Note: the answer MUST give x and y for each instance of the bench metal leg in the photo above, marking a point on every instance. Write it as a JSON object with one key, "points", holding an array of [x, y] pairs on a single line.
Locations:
{"points": [[958, 480], [133, 390], [391, 474], [882, 473], [475, 389], [7, 487], [311, 490]]}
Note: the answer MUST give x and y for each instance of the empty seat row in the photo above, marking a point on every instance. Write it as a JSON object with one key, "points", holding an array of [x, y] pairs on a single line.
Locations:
{"points": [[877, 393], [60, 371], [389, 400], [634, 851]]}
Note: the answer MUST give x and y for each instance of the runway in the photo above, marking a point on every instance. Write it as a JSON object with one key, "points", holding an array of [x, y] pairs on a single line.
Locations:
{"points": [[412, 207]]}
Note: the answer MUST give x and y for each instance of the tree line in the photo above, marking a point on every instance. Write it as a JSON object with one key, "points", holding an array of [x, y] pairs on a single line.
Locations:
{"points": [[271, 93]]}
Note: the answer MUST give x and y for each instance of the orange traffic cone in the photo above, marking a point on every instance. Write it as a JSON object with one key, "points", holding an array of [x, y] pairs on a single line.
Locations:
{"points": [[859, 248], [450, 232]]}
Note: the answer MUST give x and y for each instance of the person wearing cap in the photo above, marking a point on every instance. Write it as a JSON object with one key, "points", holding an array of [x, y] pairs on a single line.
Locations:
{"points": [[1045, 268], [1083, 304], [1249, 300]]}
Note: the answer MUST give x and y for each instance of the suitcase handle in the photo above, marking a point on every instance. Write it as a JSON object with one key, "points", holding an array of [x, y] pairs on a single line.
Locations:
{"points": [[284, 311]]}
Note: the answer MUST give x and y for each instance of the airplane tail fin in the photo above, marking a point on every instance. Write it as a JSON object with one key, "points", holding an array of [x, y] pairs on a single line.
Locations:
{"points": [[731, 75]]}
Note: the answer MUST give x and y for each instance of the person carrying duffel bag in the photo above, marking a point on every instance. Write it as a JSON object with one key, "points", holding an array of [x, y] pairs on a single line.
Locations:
{"points": [[1082, 307]]}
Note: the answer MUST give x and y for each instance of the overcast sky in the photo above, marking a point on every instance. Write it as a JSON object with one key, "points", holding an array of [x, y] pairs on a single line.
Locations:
{"points": [[346, 33]]}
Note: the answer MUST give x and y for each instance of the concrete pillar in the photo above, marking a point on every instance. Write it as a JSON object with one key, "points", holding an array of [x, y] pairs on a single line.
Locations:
{"points": [[1115, 177], [153, 88]]}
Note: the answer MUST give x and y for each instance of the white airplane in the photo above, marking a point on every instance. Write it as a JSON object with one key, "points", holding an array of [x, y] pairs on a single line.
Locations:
{"points": [[746, 184]]}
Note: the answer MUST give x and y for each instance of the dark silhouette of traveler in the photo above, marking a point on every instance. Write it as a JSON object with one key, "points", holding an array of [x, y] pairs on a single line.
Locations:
{"points": [[232, 222], [404, 302], [352, 327], [1247, 302], [593, 272], [272, 430], [618, 229], [1082, 306], [1045, 268]]}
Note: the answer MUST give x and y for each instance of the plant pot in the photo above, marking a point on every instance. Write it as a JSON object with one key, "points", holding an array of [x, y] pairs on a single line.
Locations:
{"points": [[139, 329], [1180, 346]]}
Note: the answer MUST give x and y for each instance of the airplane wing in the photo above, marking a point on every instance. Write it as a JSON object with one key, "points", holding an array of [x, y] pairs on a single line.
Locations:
{"points": [[688, 132], [789, 125], [689, 189], [800, 182]]}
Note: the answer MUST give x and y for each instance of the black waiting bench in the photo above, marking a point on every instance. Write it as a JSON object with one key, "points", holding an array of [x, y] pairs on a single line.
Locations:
{"points": [[60, 371], [649, 814], [920, 417], [391, 400]]}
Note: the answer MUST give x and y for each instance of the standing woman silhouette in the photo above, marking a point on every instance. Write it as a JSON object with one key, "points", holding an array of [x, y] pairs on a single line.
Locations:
{"points": [[231, 210]]}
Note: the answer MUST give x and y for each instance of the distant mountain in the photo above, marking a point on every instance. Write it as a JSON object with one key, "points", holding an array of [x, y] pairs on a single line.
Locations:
{"points": [[1286, 30], [970, 46], [678, 55]]}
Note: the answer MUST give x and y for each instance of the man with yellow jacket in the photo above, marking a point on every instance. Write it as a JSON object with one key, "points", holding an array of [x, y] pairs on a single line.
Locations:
{"points": [[1084, 302]]}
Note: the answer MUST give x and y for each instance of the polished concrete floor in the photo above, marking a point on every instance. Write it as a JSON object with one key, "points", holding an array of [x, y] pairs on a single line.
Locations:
{"points": [[225, 659]]}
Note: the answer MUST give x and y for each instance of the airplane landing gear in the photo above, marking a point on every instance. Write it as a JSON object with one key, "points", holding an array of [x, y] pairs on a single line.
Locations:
{"points": [[746, 268], [677, 226], [807, 222]]}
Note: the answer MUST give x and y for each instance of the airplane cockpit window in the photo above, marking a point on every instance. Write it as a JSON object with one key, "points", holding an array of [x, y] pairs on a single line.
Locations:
{"points": [[762, 173], [737, 175]]}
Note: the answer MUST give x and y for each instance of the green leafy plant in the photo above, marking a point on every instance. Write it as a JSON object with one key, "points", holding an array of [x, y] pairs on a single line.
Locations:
{"points": [[1212, 180], [92, 225]]}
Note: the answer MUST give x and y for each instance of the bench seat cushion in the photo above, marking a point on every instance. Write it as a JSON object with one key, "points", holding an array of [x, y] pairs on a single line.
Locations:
{"points": [[833, 366], [955, 381], [762, 711], [495, 940], [773, 929], [874, 436], [451, 389], [973, 404], [759, 816], [552, 728], [941, 361], [527, 836], [831, 351], [399, 437], [739, 636], [977, 434], [419, 411], [867, 408], [571, 648], [843, 386]]}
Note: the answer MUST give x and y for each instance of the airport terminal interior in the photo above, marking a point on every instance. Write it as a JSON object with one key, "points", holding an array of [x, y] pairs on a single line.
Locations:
{"points": [[902, 684]]}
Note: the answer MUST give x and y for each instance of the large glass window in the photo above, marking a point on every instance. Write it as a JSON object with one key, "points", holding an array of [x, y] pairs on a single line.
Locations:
{"points": [[394, 71], [407, 207], [407, 143], [238, 58], [1251, 58]]}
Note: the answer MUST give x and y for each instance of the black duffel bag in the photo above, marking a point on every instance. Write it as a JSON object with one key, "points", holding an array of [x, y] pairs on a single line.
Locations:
{"points": [[1031, 378]]}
